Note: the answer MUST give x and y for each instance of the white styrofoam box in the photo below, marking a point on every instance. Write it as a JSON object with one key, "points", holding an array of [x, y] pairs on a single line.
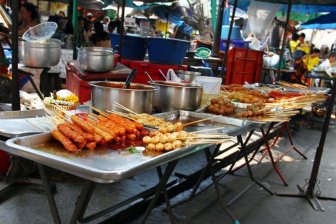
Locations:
{"points": [[211, 85]]}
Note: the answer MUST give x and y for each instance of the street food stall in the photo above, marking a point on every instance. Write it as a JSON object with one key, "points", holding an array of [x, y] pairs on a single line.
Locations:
{"points": [[116, 136]]}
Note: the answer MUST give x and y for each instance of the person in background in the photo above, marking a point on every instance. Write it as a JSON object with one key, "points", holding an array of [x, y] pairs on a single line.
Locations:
{"points": [[29, 17], [61, 14], [106, 22], [312, 60], [59, 34], [303, 45], [100, 38], [294, 42], [299, 67], [327, 64], [3, 3], [114, 26]]}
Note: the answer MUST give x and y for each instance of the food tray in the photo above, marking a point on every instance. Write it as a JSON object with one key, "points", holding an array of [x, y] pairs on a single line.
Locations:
{"points": [[102, 166], [21, 123], [231, 126]]}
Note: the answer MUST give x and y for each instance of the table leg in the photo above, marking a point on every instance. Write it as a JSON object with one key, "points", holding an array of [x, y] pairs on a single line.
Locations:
{"points": [[271, 157], [243, 150], [50, 196], [171, 215], [160, 188], [82, 201]]}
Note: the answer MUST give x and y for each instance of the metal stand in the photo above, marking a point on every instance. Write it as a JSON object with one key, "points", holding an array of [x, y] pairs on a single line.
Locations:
{"points": [[160, 189], [309, 194], [211, 160]]}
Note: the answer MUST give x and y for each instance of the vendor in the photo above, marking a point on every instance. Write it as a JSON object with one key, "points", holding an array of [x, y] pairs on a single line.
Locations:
{"points": [[100, 38], [303, 45], [299, 67], [312, 60], [327, 64], [294, 42], [29, 17]]}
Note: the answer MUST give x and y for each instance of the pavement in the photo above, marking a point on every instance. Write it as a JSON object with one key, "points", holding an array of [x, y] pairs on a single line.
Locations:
{"points": [[28, 204]]}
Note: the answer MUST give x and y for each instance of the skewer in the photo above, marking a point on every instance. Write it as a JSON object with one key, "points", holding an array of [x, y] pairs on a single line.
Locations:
{"points": [[198, 121], [205, 130], [125, 108], [121, 114], [99, 111]]}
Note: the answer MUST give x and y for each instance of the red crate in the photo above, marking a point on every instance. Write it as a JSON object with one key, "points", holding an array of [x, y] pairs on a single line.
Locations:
{"points": [[79, 87], [152, 69], [77, 80], [244, 65]]}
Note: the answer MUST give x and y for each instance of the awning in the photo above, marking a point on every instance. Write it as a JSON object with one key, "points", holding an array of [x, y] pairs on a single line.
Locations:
{"points": [[323, 22]]}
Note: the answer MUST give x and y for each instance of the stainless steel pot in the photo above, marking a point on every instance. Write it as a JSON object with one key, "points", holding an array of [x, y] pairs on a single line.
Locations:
{"points": [[188, 76], [96, 59], [138, 97], [172, 96], [40, 54]]}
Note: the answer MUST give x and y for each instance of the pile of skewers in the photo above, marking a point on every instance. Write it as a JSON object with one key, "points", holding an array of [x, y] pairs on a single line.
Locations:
{"points": [[158, 141], [92, 131]]}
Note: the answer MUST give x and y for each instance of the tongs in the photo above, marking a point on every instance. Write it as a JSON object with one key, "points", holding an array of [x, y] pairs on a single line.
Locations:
{"points": [[129, 78]]}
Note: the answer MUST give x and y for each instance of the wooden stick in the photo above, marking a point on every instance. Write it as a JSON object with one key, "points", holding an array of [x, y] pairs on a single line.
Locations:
{"points": [[99, 111], [205, 130], [121, 114], [125, 108], [198, 121]]}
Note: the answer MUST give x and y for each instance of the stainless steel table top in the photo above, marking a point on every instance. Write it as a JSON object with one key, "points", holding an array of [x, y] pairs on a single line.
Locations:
{"points": [[107, 166]]}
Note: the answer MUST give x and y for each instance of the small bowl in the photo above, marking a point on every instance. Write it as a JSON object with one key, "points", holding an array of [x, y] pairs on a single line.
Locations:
{"points": [[203, 52]]}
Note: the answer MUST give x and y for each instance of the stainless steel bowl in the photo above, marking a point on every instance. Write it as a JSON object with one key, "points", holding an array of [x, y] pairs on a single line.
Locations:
{"points": [[96, 59], [138, 97], [175, 96], [40, 54]]}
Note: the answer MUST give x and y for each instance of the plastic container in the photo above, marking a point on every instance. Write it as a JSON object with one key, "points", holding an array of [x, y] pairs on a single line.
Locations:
{"points": [[211, 85], [133, 48], [235, 43], [152, 69], [167, 51], [235, 34]]}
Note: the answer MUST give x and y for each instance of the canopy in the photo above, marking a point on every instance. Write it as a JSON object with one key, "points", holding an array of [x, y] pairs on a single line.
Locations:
{"points": [[321, 23], [303, 6]]}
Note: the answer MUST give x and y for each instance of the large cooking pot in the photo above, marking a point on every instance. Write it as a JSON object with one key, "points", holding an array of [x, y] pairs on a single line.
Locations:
{"points": [[176, 96], [96, 59], [40, 54], [137, 97]]}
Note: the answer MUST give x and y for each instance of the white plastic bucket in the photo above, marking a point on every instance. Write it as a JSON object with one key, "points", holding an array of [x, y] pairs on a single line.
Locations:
{"points": [[211, 85]]}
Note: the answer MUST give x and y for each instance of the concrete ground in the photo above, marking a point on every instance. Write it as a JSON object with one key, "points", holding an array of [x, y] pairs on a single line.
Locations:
{"points": [[29, 204]]}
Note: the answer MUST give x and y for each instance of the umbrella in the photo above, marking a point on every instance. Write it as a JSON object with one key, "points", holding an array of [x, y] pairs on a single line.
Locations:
{"points": [[324, 22]]}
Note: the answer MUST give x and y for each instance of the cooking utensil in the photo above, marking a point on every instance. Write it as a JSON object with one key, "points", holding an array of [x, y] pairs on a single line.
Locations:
{"points": [[40, 54], [165, 77], [96, 59], [137, 97], [176, 96], [149, 77], [129, 78]]}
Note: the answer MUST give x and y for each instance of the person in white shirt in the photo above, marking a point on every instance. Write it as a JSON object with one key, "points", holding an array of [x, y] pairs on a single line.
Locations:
{"points": [[326, 66]]}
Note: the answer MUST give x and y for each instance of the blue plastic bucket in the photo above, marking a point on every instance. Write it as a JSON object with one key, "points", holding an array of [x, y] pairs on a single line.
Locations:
{"points": [[133, 47], [167, 51]]}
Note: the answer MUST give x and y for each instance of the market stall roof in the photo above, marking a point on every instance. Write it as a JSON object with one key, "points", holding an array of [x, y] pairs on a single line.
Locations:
{"points": [[302, 6], [323, 22]]}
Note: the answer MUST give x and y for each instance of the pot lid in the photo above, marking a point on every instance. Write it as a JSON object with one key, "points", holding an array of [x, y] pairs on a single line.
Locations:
{"points": [[40, 32]]}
